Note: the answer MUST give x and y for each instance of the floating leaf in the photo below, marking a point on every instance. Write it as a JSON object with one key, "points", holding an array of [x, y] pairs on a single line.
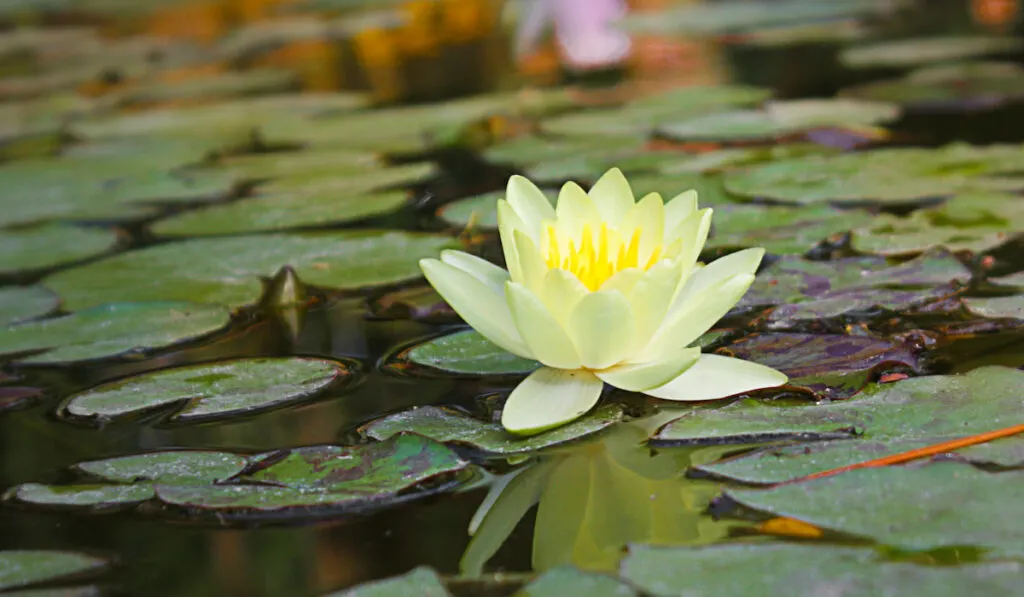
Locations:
{"points": [[15, 397], [958, 88], [111, 330], [924, 407], [83, 496], [1011, 307], [831, 366], [781, 230], [22, 568], [354, 183], [804, 571], [480, 210], [466, 353], [261, 166], [51, 245], [223, 85], [204, 392], [184, 270], [913, 52], [181, 466], [450, 426], [891, 236], [25, 302], [942, 504], [422, 582], [566, 581]]}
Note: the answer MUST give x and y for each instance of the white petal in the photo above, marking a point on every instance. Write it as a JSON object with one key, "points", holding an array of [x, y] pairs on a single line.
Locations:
{"points": [[639, 377], [651, 298], [678, 209], [601, 326], [483, 308], [543, 334], [717, 272], [562, 291], [624, 280], [693, 233], [530, 204], [549, 398], [576, 208], [508, 223], [648, 215], [696, 316], [716, 376], [481, 269], [531, 262], [612, 196]]}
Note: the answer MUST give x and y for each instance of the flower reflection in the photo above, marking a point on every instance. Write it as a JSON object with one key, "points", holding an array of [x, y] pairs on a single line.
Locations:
{"points": [[593, 500]]}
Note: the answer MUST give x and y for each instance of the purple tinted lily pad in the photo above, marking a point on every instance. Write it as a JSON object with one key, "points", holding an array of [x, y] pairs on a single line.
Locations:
{"points": [[781, 230], [15, 397], [830, 366], [421, 303]]}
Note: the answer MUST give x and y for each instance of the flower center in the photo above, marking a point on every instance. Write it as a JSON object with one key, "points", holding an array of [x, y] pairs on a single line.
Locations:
{"points": [[599, 256]]}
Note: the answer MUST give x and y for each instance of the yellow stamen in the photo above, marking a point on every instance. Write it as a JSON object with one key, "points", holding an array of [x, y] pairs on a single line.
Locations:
{"points": [[598, 256]]}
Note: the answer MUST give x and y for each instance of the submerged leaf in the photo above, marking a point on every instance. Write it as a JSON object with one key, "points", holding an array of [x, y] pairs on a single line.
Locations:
{"points": [[22, 568]]}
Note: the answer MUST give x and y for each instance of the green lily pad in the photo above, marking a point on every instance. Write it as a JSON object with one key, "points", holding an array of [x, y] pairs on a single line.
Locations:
{"points": [[751, 570], [780, 119], [206, 392], [954, 88], [710, 191], [466, 353], [51, 245], [83, 496], [1010, 307], [111, 330], [184, 270], [566, 581], [528, 150], [23, 568], [261, 166], [281, 212], [941, 504], [590, 166], [781, 230], [422, 582], [26, 302], [896, 237], [450, 426], [926, 50], [340, 181], [924, 407], [180, 466], [220, 86], [779, 464], [732, 157]]}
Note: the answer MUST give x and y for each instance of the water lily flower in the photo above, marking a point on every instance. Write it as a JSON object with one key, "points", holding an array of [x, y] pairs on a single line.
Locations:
{"points": [[584, 31], [602, 289]]}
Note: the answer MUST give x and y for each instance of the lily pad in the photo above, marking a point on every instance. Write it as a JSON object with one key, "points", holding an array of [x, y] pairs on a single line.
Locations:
{"points": [[51, 245], [779, 464], [359, 182], [914, 52], [831, 366], [104, 497], [23, 568], [450, 426], [261, 166], [466, 353], [954, 88], [1009, 307], [184, 270], [924, 407], [111, 330], [219, 86], [781, 230], [18, 303], [941, 504], [891, 236], [15, 397], [481, 210], [421, 581], [566, 581], [281, 212], [752, 570], [206, 392]]}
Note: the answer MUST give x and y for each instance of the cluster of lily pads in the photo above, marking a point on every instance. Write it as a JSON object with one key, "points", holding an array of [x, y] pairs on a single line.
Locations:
{"points": [[138, 237]]}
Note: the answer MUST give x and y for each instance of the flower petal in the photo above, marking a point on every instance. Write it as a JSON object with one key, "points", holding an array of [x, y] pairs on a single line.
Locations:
{"points": [[639, 377], [543, 334], [624, 280], [481, 269], [576, 208], [648, 215], [601, 325], [530, 204], [612, 196], [716, 376], [508, 222], [678, 209], [481, 306], [531, 262], [717, 272], [562, 291], [693, 232], [696, 316], [651, 298], [550, 398]]}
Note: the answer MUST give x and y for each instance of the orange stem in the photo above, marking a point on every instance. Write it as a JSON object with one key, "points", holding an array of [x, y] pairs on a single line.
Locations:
{"points": [[902, 457]]}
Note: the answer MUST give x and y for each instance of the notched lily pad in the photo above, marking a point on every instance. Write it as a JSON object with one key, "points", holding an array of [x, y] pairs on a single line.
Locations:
{"points": [[23, 568], [51, 245], [112, 330], [463, 353], [924, 407], [18, 303], [453, 427], [206, 392], [940, 504]]}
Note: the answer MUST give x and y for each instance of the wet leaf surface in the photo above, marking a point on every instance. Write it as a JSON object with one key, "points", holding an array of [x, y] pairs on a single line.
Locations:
{"points": [[112, 330], [341, 260], [186, 466], [18, 303], [925, 50], [831, 366], [422, 582], [467, 353], [213, 391], [781, 230], [1011, 307], [569, 582], [23, 568], [940, 504], [803, 571], [453, 427], [925, 407], [46, 246]]}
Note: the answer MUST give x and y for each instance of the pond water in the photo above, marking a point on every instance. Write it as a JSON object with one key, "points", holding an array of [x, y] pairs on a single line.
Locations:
{"points": [[336, 423]]}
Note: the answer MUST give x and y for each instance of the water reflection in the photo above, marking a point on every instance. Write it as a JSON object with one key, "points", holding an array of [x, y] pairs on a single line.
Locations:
{"points": [[593, 500]]}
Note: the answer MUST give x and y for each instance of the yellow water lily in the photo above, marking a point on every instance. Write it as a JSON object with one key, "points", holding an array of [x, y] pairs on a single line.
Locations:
{"points": [[602, 288]]}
